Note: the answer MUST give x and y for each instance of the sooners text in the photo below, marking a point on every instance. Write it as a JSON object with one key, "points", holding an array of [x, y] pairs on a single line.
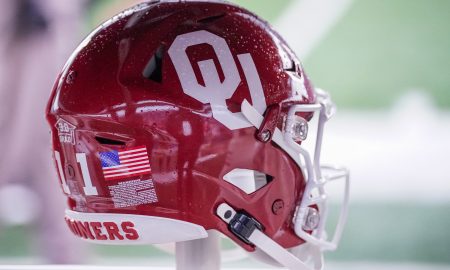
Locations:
{"points": [[103, 230]]}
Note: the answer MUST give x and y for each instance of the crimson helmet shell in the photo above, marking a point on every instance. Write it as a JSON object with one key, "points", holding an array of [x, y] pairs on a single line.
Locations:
{"points": [[122, 89]]}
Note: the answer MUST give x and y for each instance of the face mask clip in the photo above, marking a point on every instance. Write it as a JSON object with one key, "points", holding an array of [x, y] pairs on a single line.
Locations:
{"points": [[269, 124]]}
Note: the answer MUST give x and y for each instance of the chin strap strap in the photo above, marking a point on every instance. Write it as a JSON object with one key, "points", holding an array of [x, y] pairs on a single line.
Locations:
{"points": [[250, 231]]}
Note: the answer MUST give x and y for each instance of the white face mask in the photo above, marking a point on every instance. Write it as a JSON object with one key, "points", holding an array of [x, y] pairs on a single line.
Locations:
{"points": [[307, 155], [302, 140]]}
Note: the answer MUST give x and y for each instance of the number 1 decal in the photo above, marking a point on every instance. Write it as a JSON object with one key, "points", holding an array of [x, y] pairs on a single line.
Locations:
{"points": [[88, 188]]}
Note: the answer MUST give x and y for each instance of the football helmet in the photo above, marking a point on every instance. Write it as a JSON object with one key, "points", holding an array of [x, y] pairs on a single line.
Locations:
{"points": [[178, 117]]}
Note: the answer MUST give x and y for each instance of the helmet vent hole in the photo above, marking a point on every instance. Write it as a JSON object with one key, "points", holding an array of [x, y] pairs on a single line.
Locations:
{"points": [[153, 69], [106, 141], [291, 68], [211, 19], [247, 180]]}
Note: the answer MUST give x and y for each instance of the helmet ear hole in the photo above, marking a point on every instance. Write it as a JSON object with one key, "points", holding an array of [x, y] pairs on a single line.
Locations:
{"points": [[247, 180], [107, 141]]}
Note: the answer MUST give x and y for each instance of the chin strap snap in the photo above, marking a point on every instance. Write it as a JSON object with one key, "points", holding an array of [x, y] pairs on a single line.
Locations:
{"points": [[250, 231], [243, 226]]}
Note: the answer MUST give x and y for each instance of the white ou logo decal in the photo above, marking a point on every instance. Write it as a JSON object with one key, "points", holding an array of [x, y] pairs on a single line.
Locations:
{"points": [[214, 91]]}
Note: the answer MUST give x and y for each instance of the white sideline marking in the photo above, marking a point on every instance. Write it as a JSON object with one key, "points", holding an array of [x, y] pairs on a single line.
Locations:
{"points": [[306, 22]]}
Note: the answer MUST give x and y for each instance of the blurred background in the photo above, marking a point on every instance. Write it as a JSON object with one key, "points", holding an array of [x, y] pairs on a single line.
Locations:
{"points": [[386, 64]]}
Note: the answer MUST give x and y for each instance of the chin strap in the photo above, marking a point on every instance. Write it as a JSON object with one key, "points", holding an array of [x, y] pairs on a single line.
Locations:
{"points": [[250, 231]]}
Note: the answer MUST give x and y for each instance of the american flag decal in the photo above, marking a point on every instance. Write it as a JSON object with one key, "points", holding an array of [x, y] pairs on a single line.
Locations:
{"points": [[125, 163]]}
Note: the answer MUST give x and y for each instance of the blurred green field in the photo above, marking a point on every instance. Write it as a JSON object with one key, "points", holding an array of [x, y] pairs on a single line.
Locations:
{"points": [[383, 48]]}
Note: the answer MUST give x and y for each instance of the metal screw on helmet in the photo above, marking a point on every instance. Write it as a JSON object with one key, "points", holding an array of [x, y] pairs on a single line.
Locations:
{"points": [[265, 135], [312, 220], [277, 206]]}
